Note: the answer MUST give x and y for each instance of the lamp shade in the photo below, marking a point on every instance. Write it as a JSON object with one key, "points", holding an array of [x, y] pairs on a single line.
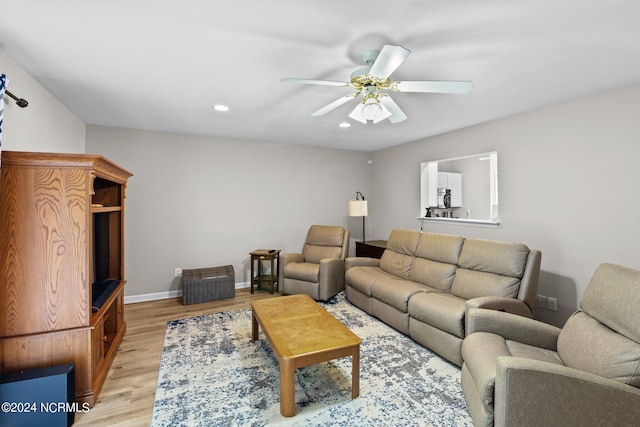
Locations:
{"points": [[358, 208]]}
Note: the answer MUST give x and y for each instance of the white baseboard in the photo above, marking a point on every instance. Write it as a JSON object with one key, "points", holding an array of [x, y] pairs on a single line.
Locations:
{"points": [[131, 299]]}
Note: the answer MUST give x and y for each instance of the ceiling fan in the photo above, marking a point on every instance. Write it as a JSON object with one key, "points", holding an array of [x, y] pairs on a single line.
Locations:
{"points": [[369, 81]]}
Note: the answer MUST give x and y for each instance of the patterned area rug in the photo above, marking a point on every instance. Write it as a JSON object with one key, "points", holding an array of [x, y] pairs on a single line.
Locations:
{"points": [[211, 374]]}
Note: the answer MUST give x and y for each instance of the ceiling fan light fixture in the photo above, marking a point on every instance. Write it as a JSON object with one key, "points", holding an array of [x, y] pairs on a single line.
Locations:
{"points": [[356, 114], [384, 114], [374, 110], [371, 109]]}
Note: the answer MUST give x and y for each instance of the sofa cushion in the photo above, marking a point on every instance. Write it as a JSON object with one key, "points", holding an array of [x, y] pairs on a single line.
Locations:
{"points": [[395, 292], [362, 277], [400, 252], [403, 241], [315, 253], [325, 235], [397, 264], [440, 247], [586, 344], [613, 298], [323, 241], [438, 275], [440, 310], [469, 284], [306, 271], [505, 259], [526, 351]]}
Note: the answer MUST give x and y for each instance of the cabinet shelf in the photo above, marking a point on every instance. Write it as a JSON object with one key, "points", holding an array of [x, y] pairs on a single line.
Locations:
{"points": [[102, 209], [107, 303]]}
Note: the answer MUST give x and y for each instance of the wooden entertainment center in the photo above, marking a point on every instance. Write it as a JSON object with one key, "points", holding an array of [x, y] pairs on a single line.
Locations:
{"points": [[62, 273]]}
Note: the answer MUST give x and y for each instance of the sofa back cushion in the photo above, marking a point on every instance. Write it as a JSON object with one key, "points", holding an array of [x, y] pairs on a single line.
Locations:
{"points": [[440, 247], [604, 336], [438, 275], [489, 268], [400, 252], [323, 241], [588, 345], [469, 284], [613, 298], [436, 260]]}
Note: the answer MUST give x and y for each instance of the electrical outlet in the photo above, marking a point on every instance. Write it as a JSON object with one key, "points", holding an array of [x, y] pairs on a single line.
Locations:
{"points": [[178, 272], [542, 301], [553, 304]]}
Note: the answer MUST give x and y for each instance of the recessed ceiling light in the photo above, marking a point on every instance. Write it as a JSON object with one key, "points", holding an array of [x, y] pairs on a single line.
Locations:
{"points": [[220, 107], [345, 125]]}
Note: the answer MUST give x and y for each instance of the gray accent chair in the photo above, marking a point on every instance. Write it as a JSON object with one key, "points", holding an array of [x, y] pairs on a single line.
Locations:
{"points": [[319, 270], [521, 372]]}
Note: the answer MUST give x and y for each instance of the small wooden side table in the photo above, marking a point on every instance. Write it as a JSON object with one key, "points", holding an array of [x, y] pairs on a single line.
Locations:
{"points": [[260, 278]]}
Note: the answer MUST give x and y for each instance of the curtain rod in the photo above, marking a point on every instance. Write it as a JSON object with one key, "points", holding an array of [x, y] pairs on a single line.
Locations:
{"points": [[20, 101]]}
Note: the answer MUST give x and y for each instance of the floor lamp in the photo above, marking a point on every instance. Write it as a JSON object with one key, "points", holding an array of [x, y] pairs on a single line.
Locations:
{"points": [[358, 207]]}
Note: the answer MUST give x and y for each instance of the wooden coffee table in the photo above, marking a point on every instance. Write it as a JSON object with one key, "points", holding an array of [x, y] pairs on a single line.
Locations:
{"points": [[302, 333]]}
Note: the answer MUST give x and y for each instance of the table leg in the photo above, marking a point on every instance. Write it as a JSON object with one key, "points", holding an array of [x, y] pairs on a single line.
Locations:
{"points": [[251, 277], [273, 280], [287, 388], [355, 372], [277, 270], [254, 326]]}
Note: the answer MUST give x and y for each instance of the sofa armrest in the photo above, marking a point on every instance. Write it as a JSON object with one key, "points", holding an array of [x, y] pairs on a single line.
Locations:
{"points": [[283, 260], [360, 261], [530, 392], [291, 257], [512, 327], [331, 277], [509, 305]]}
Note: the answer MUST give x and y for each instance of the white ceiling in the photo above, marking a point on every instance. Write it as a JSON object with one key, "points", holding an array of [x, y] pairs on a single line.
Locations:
{"points": [[161, 65]]}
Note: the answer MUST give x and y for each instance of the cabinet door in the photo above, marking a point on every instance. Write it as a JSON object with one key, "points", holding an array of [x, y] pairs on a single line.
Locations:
{"points": [[97, 347], [455, 184], [443, 180], [44, 237], [432, 185]]}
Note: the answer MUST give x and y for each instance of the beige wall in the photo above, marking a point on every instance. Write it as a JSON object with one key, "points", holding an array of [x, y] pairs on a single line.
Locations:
{"points": [[568, 185], [200, 202], [45, 124]]}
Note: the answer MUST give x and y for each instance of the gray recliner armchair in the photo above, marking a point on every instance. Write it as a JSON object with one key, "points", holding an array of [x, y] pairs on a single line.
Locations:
{"points": [[319, 270], [521, 372]]}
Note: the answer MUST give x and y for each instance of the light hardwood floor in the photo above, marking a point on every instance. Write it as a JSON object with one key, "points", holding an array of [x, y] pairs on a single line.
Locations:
{"points": [[128, 393]]}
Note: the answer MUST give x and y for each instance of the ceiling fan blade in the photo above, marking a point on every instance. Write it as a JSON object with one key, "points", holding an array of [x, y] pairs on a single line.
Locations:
{"points": [[335, 104], [397, 115], [313, 82], [433, 86], [388, 61]]}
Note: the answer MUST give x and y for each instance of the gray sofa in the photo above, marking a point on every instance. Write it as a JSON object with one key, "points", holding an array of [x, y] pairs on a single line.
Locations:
{"points": [[425, 283]]}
